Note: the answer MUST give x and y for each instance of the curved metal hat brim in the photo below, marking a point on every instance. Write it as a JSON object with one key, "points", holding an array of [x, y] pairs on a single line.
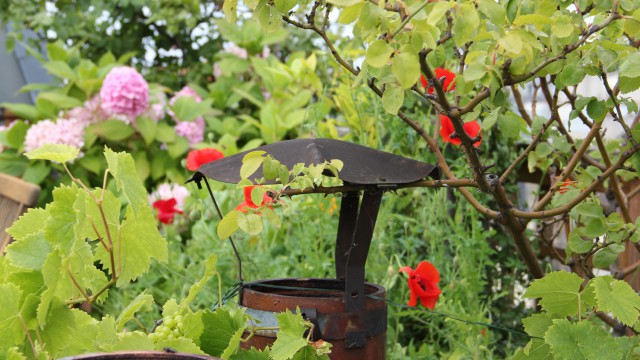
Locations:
{"points": [[362, 165]]}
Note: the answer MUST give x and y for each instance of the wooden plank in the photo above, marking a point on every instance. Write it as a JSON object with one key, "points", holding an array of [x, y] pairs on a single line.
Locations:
{"points": [[18, 190]]}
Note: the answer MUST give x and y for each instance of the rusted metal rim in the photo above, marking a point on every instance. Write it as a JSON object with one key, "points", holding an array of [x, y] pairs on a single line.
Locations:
{"points": [[140, 355], [321, 301]]}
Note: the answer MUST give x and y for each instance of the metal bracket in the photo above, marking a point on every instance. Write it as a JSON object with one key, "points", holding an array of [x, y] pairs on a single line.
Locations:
{"points": [[359, 242]]}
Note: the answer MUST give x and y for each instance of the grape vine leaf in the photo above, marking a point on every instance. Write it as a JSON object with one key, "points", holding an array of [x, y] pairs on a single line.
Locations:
{"points": [[29, 252], [59, 329], [252, 354], [309, 352], [536, 325], [59, 226], [29, 223], [193, 326], [54, 152], [106, 333], [559, 292], [138, 242], [14, 354], [581, 340], [123, 169], [210, 271], [144, 302], [51, 272], [10, 324], [290, 336], [83, 339], [617, 298], [220, 327]]}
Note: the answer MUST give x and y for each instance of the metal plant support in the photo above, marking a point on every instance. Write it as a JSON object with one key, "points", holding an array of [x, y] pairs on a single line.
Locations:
{"points": [[367, 171]]}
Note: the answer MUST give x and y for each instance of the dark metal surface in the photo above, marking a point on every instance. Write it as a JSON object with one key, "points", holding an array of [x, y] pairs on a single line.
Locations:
{"points": [[354, 335], [346, 229], [354, 279], [362, 165]]}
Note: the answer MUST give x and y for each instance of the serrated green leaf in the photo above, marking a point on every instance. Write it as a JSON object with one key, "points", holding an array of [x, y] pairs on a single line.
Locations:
{"points": [[308, 352], [618, 298], [59, 329], [142, 302], [537, 324], [123, 170], [581, 340], [559, 292], [10, 324], [30, 252], [228, 225], [54, 152], [571, 75], [135, 340], [252, 354], [290, 338], [29, 223], [180, 344], [210, 271], [630, 67], [378, 53], [220, 327]]}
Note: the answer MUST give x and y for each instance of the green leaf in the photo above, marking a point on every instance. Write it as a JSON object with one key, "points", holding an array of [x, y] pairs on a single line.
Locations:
{"points": [[112, 130], [29, 223], [16, 134], [10, 324], [228, 225], [465, 23], [177, 148], [576, 244], [59, 329], [309, 352], [186, 108], [230, 9], [581, 340], [345, 3], [271, 217], [406, 68], [30, 252], [23, 111], [210, 271], [630, 67], [250, 223], [378, 53], [253, 354], [618, 298], [138, 242], [61, 101], [220, 329], [60, 69], [250, 166], [597, 109], [123, 169], [142, 302], [290, 338], [572, 74], [285, 5], [165, 133], [559, 292], [437, 12], [257, 194], [392, 99], [54, 152], [180, 344], [589, 210], [607, 256]]}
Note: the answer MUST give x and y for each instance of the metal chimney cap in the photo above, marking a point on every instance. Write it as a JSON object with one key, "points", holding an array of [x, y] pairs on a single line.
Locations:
{"points": [[362, 165]]}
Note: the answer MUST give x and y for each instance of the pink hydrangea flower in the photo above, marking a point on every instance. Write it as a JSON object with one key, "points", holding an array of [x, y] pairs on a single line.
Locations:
{"points": [[236, 50], [156, 108], [124, 92], [62, 131], [192, 130], [167, 191]]}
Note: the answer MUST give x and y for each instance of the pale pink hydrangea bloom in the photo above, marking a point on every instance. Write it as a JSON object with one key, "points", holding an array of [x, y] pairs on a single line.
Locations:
{"points": [[167, 191], [193, 131], [124, 92], [156, 108], [62, 131], [217, 72], [236, 50]]}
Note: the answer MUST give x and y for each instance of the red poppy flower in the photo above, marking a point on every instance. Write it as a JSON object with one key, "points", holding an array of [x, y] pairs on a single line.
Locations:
{"points": [[166, 210], [423, 284], [197, 158], [248, 203], [565, 186], [448, 84], [472, 128]]}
